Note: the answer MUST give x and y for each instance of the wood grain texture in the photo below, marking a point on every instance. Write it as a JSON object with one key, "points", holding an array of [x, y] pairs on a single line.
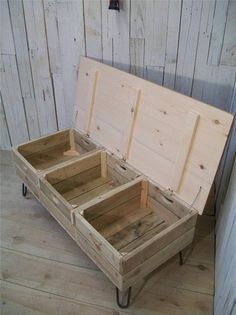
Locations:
{"points": [[44, 271], [225, 252], [208, 80], [48, 46]]}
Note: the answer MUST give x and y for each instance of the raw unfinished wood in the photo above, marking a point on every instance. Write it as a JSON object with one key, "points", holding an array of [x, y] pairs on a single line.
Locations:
{"points": [[127, 223], [186, 144], [36, 157], [97, 207], [77, 183], [135, 233], [36, 242], [92, 104], [143, 123]]}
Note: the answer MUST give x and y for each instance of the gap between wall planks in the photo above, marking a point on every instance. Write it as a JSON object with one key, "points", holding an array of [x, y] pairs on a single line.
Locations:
{"points": [[39, 70]]}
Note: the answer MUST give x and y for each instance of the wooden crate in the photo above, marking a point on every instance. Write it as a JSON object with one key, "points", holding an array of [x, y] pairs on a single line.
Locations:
{"points": [[133, 231], [38, 156], [133, 204], [78, 182]]}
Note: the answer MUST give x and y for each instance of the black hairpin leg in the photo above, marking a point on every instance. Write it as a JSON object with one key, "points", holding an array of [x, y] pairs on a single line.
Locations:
{"points": [[24, 190], [181, 261], [118, 298]]}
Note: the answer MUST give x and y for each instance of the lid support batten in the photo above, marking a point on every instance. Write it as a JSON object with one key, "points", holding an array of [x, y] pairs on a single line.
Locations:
{"points": [[92, 103], [186, 145], [133, 122]]}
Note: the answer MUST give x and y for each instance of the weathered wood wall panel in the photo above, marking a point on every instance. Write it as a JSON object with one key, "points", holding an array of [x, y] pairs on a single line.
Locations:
{"points": [[40, 64], [186, 45], [225, 278], [24, 66]]}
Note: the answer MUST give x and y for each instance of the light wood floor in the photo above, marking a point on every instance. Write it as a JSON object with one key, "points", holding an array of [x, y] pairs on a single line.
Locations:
{"points": [[44, 272]]}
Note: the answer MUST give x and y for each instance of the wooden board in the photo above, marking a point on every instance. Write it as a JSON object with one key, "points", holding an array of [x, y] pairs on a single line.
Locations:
{"points": [[34, 241], [105, 105], [174, 140]]}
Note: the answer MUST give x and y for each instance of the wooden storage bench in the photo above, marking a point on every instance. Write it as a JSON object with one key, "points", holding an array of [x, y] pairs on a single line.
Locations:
{"points": [[134, 231], [128, 182], [38, 156]]}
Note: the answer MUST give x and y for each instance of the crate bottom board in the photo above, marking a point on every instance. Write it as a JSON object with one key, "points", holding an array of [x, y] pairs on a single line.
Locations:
{"points": [[126, 232], [121, 281], [130, 223], [77, 191]]}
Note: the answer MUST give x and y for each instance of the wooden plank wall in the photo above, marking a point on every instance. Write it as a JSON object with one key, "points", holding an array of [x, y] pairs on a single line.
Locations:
{"points": [[185, 45], [225, 278]]}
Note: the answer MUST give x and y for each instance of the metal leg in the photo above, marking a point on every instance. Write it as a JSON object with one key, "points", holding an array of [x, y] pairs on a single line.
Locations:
{"points": [[118, 298], [181, 261], [24, 190]]}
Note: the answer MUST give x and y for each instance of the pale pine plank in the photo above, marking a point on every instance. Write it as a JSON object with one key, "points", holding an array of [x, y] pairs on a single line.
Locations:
{"points": [[170, 289]]}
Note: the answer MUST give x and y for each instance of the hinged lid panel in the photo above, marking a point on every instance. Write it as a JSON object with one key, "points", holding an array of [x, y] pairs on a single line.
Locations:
{"points": [[173, 139], [104, 107]]}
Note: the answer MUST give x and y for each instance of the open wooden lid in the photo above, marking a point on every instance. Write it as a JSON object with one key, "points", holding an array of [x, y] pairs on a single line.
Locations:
{"points": [[173, 139]]}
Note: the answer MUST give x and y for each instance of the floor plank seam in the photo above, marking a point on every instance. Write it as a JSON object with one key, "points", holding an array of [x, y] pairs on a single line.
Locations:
{"points": [[66, 297], [48, 259]]}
